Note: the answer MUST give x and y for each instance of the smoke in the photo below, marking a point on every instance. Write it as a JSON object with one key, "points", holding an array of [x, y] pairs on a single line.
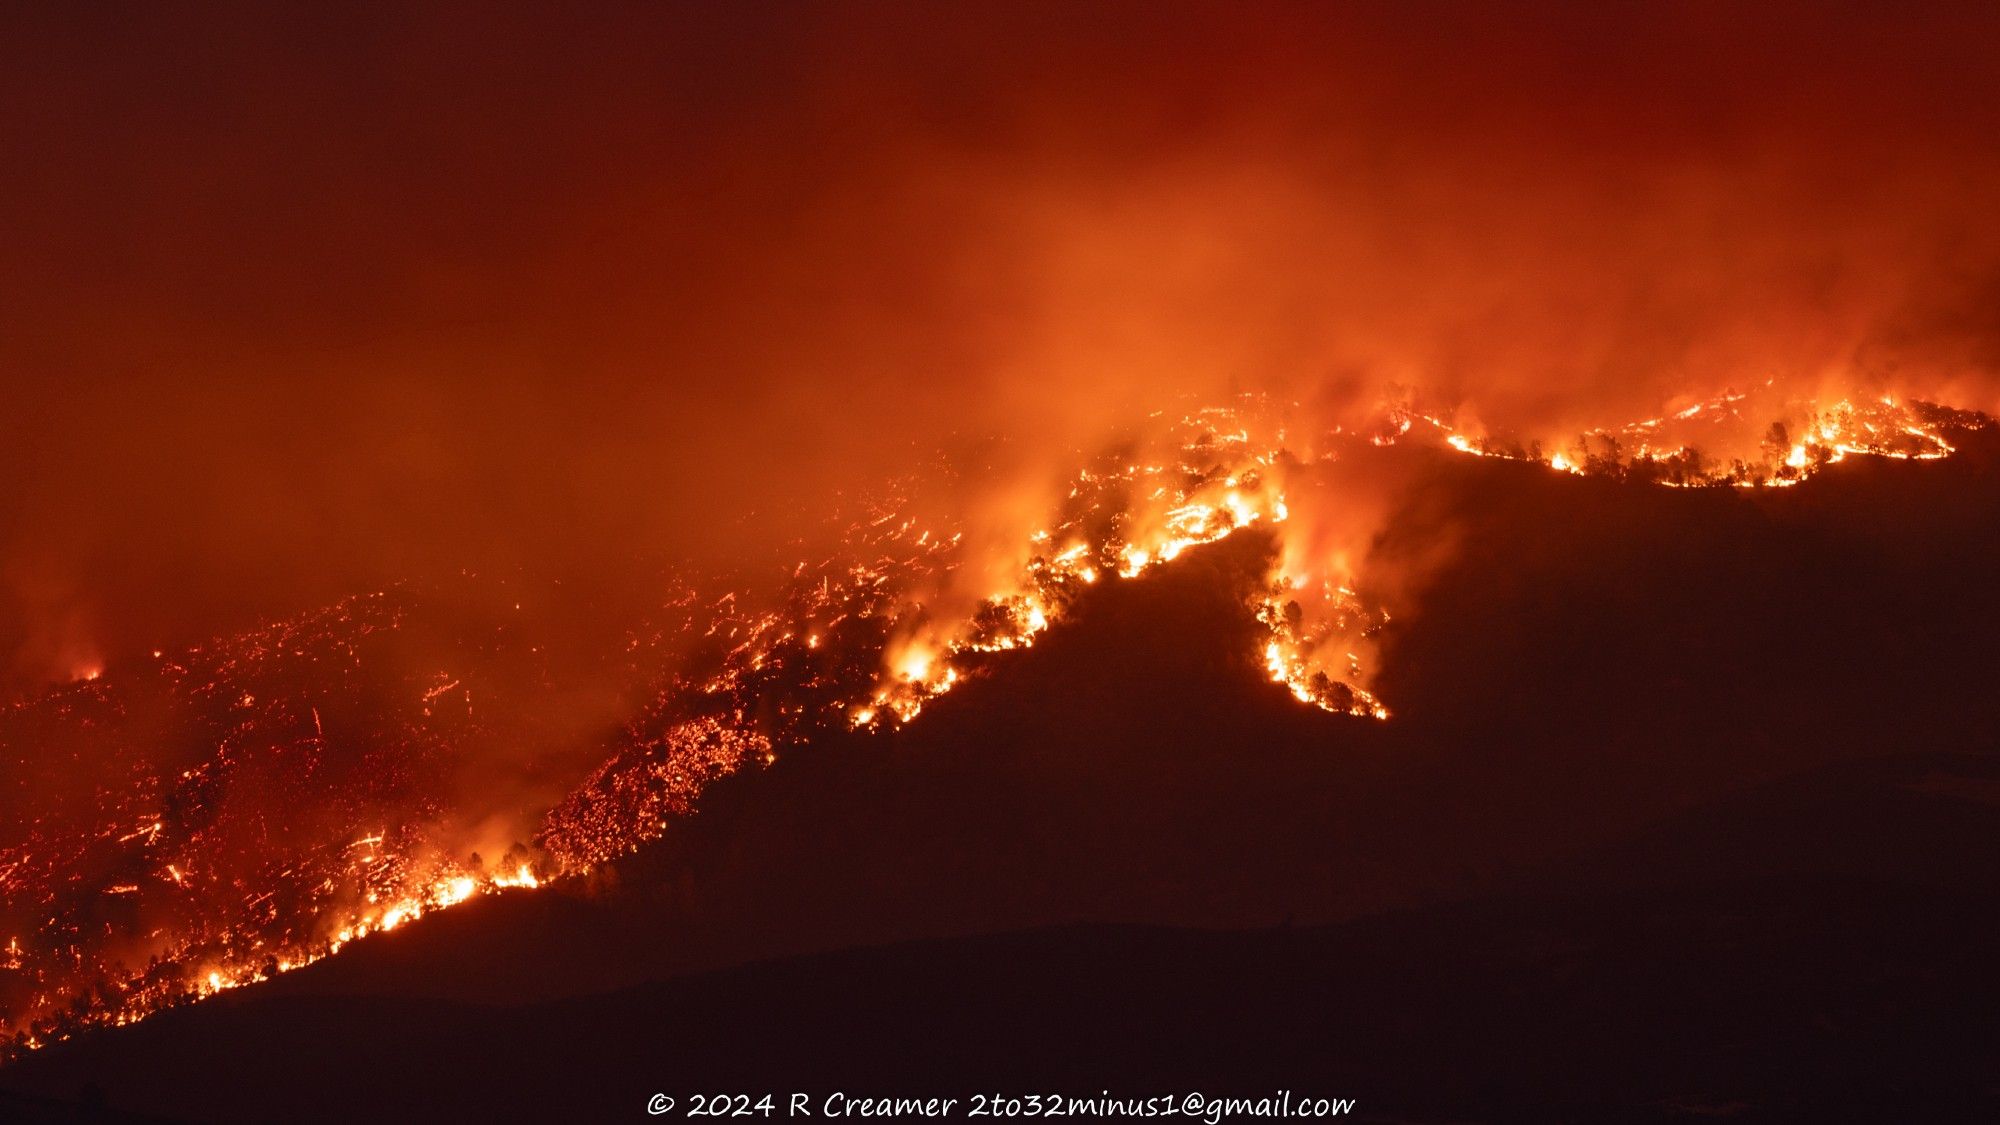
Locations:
{"points": [[297, 310], [58, 645], [583, 303]]}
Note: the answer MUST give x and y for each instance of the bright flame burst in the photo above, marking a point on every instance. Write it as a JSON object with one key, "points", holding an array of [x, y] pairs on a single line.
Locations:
{"points": [[860, 640], [1673, 449]]}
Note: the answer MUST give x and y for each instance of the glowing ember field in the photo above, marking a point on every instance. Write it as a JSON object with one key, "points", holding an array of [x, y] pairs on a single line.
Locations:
{"points": [[258, 802]]}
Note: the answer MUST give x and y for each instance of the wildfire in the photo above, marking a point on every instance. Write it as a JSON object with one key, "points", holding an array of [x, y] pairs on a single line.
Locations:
{"points": [[1714, 442], [340, 754]]}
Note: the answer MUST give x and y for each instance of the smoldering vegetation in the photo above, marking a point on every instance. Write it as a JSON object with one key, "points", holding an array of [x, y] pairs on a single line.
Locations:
{"points": [[306, 312]]}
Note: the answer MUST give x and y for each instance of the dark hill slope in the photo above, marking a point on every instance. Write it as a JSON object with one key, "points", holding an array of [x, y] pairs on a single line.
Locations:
{"points": [[1688, 799]]}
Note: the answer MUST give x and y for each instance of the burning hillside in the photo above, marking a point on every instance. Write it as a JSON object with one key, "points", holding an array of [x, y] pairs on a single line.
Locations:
{"points": [[257, 803], [1274, 460]]}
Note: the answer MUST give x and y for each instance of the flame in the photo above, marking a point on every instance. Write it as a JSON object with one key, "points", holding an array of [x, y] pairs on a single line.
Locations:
{"points": [[1712, 442], [864, 639]]}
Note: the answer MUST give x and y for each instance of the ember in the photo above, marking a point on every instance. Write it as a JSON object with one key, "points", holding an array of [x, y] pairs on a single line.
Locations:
{"points": [[285, 792]]}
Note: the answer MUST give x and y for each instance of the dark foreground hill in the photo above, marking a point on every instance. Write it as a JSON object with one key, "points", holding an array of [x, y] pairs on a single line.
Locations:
{"points": [[1755, 1001], [1689, 808]]}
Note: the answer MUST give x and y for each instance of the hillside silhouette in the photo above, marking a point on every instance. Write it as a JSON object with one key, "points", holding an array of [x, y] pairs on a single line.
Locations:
{"points": [[1687, 807]]}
